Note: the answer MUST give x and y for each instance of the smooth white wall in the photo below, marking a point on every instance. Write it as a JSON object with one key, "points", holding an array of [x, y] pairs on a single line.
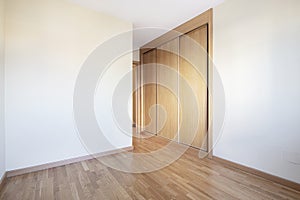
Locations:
{"points": [[136, 55], [2, 129], [46, 43], [256, 51]]}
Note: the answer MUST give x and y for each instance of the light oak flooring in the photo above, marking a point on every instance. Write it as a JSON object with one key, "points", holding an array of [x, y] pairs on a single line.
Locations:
{"points": [[187, 178]]}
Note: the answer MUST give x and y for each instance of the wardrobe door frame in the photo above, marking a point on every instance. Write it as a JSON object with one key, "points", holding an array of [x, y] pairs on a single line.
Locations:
{"points": [[205, 18]]}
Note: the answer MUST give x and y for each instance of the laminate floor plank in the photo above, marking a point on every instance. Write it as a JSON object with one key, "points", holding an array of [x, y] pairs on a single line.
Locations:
{"points": [[189, 177]]}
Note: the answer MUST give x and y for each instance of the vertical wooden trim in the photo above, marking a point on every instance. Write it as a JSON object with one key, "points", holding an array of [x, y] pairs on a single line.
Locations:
{"points": [[135, 65], [142, 124], [156, 133], [178, 92], [141, 94], [210, 83]]}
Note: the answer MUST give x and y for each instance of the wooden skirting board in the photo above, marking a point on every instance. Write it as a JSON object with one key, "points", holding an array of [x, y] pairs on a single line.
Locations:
{"points": [[227, 163], [256, 172], [2, 180], [63, 162]]}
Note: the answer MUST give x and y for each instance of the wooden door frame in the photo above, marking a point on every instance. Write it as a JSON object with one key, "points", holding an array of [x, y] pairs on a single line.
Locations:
{"points": [[200, 20], [135, 84]]}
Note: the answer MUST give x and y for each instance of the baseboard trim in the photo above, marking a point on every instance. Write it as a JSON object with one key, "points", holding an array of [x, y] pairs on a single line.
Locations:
{"points": [[275, 179], [18, 172], [3, 180]]}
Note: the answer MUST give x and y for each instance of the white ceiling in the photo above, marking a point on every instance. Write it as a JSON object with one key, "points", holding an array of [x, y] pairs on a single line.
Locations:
{"points": [[162, 15]]}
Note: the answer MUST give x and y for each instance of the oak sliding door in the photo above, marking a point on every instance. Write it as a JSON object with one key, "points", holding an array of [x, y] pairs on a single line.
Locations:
{"points": [[149, 91], [177, 77], [175, 94], [193, 91], [167, 89]]}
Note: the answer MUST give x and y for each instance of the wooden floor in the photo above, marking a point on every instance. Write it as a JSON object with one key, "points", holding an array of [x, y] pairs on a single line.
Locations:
{"points": [[187, 178]]}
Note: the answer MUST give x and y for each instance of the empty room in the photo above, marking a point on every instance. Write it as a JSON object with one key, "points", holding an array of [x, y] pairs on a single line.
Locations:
{"points": [[161, 99]]}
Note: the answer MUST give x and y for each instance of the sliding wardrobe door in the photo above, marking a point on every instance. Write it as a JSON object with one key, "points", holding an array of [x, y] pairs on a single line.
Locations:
{"points": [[193, 70], [167, 89], [149, 91]]}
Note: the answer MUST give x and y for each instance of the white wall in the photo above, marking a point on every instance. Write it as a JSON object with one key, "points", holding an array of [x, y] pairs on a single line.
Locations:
{"points": [[136, 55], [46, 43], [256, 51], [2, 129]]}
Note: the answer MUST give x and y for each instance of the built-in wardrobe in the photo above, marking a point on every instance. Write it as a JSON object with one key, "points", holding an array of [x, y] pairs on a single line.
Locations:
{"points": [[175, 79]]}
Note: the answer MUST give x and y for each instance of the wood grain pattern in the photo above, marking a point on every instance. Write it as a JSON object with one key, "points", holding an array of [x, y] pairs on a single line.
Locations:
{"points": [[139, 122], [250, 170], [193, 70], [149, 91], [167, 92], [209, 23], [3, 180], [135, 93], [206, 18], [187, 178]]}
